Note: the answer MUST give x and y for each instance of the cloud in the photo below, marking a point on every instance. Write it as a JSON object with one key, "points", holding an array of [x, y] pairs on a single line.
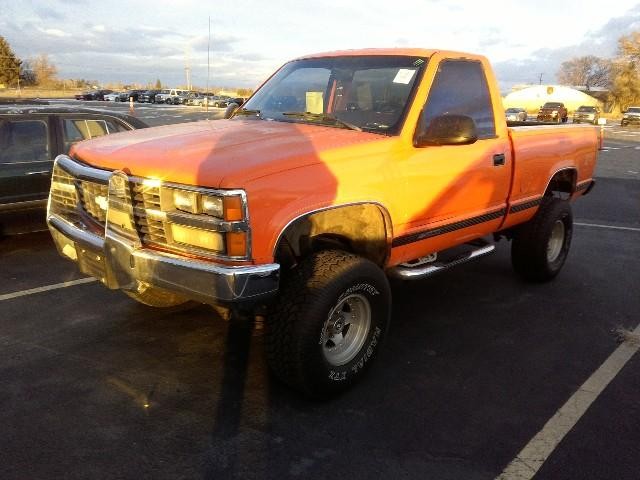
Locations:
{"points": [[546, 62], [45, 13], [54, 32], [218, 43]]}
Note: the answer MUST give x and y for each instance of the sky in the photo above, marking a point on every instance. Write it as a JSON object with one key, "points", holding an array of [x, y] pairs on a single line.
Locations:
{"points": [[141, 41]]}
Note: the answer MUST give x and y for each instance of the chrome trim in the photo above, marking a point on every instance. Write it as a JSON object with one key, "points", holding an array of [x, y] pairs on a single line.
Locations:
{"points": [[81, 237], [92, 174], [125, 266], [206, 222], [558, 171], [388, 225], [233, 226], [82, 172], [415, 273]]}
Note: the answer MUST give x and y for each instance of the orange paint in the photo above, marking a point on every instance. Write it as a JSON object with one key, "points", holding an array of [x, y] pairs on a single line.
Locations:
{"points": [[290, 169]]}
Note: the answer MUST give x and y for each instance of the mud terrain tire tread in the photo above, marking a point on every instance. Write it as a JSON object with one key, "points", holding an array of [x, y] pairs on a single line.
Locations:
{"points": [[295, 323], [529, 246]]}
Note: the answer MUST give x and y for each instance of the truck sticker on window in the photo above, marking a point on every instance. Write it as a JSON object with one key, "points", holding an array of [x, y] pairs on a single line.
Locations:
{"points": [[315, 102], [404, 76]]}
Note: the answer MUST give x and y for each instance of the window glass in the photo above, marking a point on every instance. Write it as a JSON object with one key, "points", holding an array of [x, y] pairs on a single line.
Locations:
{"points": [[76, 130], [291, 93], [364, 92], [460, 88], [23, 141]]}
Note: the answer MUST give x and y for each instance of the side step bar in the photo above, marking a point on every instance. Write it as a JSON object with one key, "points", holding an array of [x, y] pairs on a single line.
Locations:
{"points": [[470, 251]]}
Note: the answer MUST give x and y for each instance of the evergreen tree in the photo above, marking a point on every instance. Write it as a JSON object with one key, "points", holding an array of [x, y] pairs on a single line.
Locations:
{"points": [[9, 64], [158, 84]]}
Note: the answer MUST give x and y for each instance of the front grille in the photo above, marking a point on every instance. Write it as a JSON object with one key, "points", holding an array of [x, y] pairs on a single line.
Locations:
{"points": [[147, 214], [140, 210], [64, 197], [93, 199]]}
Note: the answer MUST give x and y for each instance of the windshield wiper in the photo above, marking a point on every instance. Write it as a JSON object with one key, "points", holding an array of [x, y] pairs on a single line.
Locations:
{"points": [[323, 117]]}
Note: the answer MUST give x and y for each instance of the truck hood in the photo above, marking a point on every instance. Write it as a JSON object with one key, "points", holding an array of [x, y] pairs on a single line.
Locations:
{"points": [[219, 153]]}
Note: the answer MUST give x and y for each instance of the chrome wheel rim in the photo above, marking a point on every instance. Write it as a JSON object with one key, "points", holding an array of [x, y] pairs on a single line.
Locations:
{"points": [[556, 241], [346, 329]]}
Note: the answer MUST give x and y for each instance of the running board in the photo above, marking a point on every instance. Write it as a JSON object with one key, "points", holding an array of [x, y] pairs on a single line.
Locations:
{"points": [[472, 251]]}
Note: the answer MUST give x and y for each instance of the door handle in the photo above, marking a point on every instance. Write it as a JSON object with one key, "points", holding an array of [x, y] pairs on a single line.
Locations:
{"points": [[498, 159]]}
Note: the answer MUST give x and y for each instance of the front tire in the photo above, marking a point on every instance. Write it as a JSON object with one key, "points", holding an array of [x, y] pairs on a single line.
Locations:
{"points": [[541, 246], [328, 323]]}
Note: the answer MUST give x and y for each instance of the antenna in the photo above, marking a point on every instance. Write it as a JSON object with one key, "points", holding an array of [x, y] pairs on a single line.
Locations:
{"points": [[208, 44], [187, 65]]}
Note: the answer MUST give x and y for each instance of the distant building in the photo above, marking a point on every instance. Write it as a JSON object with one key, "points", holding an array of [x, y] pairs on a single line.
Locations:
{"points": [[533, 97]]}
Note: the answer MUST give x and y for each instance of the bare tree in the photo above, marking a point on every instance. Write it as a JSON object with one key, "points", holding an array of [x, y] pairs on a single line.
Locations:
{"points": [[629, 47], [625, 90], [45, 70], [590, 71]]}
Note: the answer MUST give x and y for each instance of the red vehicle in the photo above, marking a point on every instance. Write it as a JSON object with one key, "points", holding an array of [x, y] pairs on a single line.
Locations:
{"points": [[553, 112]]}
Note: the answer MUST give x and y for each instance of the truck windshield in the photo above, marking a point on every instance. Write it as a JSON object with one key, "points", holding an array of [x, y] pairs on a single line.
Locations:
{"points": [[369, 93]]}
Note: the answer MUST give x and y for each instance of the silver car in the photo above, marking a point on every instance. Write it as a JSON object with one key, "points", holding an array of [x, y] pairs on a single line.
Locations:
{"points": [[516, 114]]}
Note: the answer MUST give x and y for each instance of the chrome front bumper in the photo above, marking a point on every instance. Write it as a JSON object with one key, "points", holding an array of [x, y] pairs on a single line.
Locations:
{"points": [[119, 264]]}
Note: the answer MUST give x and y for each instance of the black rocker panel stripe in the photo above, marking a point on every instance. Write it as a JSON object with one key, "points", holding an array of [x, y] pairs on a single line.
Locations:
{"points": [[452, 227], [525, 206], [582, 186]]}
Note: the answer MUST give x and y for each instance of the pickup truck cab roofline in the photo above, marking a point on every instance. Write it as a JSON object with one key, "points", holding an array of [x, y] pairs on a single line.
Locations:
{"points": [[409, 52]]}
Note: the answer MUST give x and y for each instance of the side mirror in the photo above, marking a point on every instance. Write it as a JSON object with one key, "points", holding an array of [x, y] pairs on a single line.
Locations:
{"points": [[231, 109], [449, 130]]}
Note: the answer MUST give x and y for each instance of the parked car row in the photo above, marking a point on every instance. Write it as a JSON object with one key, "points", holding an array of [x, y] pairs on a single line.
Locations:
{"points": [[557, 112], [171, 96]]}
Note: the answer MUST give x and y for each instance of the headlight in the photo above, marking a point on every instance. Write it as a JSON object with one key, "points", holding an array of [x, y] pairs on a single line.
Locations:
{"points": [[555, 112], [228, 207], [213, 206], [185, 200], [200, 220]]}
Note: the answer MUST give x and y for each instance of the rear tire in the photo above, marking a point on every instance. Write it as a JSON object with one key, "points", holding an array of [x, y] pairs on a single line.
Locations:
{"points": [[540, 246], [328, 323]]}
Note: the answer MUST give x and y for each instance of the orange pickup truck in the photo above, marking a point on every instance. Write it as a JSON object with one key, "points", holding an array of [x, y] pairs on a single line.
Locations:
{"points": [[342, 170]]}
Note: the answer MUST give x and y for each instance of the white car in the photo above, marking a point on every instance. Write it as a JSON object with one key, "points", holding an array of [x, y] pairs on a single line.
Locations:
{"points": [[112, 97], [630, 116]]}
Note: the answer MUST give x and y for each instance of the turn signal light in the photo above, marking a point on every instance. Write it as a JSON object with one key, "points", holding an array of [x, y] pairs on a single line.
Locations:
{"points": [[236, 244], [233, 208]]}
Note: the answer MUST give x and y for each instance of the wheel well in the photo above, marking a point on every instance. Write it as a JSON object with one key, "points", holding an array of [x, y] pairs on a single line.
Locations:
{"points": [[562, 184], [363, 229]]}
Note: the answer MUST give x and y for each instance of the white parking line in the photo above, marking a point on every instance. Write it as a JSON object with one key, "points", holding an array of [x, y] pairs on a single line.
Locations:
{"points": [[612, 227], [55, 286], [535, 453]]}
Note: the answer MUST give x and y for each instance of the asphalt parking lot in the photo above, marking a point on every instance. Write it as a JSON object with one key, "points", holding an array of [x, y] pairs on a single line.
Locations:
{"points": [[94, 385]]}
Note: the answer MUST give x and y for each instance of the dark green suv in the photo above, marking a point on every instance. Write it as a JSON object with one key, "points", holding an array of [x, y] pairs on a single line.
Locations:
{"points": [[30, 139]]}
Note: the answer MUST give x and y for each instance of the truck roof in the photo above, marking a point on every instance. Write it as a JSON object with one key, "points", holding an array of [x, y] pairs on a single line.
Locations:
{"points": [[410, 52]]}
